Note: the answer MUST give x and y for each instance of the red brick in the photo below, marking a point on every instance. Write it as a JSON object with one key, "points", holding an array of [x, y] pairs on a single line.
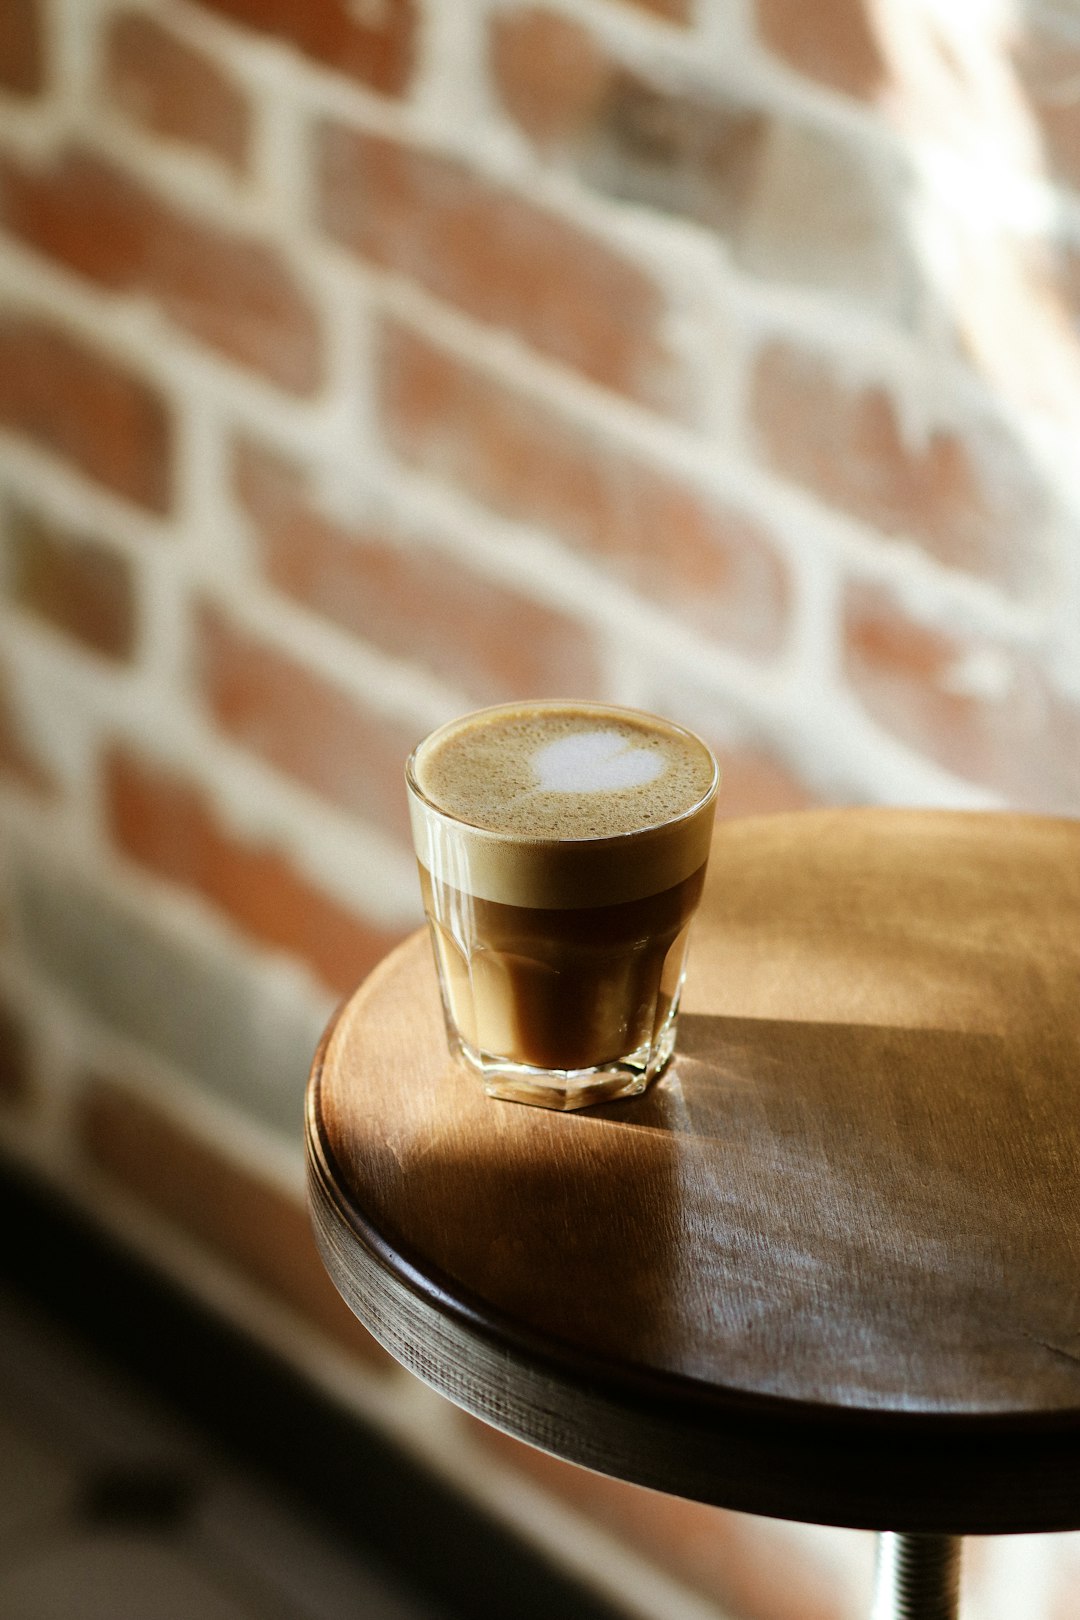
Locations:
{"points": [[22, 47], [550, 71], [302, 723], [15, 1081], [1022, 741], [168, 825], [230, 291], [18, 759], [748, 1566], [755, 784], [81, 403], [186, 1178], [168, 87], [968, 507], [499, 257], [411, 599], [709, 563], [375, 43], [78, 584], [833, 41]]}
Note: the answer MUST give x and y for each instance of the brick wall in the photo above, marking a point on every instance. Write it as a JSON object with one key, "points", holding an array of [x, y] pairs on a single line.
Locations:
{"points": [[362, 361]]}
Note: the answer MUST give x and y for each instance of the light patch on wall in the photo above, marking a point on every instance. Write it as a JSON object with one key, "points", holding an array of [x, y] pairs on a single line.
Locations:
{"points": [[981, 213]]}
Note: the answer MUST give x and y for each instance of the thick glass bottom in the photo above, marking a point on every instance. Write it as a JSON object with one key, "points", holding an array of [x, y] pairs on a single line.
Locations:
{"points": [[573, 1088]]}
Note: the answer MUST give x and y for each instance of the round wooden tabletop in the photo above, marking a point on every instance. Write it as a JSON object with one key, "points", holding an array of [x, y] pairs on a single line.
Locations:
{"points": [[828, 1267]]}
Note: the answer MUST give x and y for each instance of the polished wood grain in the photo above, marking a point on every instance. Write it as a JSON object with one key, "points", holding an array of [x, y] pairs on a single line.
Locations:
{"points": [[829, 1266]]}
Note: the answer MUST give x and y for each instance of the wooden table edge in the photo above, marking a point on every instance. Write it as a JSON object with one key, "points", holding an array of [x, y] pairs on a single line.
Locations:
{"points": [[743, 1451]]}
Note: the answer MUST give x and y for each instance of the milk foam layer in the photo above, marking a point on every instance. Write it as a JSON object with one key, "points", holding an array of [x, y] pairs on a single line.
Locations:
{"points": [[560, 804], [564, 770]]}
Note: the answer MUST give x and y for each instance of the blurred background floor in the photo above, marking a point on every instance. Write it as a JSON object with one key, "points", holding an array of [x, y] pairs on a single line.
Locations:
{"points": [[113, 1509], [158, 1464]]}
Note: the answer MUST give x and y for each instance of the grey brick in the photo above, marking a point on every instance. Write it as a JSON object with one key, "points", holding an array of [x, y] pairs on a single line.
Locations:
{"points": [[677, 153], [246, 1037], [821, 215], [795, 204]]}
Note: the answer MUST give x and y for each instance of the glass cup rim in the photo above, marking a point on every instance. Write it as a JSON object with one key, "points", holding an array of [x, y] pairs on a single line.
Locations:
{"points": [[526, 838]]}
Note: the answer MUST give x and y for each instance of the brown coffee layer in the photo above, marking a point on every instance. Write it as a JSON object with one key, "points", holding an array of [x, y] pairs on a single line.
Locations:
{"points": [[566, 989]]}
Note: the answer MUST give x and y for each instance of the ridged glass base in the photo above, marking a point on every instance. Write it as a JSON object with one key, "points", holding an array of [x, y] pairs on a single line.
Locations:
{"points": [[573, 1088]]}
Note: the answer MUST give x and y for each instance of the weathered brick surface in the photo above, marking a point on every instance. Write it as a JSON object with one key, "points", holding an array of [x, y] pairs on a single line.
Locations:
{"points": [[15, 1079], [709, 563], [167, 824], [677, 151], [411, 599], [22, 47], [77, 401], [967, 500], [187, 1178], [835, 41], [230, 291], [499, 256], [73, 581], [793, 203], [302, 723], [165, 85], [977, 708], [374, 43], [244, 1037]]}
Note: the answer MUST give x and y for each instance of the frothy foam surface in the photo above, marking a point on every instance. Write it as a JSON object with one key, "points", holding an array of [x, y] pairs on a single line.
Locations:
{"points": [[564, 770]]}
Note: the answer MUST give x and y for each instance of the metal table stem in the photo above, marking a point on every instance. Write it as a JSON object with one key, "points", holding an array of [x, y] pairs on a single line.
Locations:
{"points": [[918, 1577]]}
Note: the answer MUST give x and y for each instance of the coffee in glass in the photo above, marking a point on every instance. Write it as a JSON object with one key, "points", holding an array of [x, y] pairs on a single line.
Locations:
{"points": [[562, 850]]}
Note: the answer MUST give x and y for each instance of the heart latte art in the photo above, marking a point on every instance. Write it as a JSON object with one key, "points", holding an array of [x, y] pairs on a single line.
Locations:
{"points": [[594, 762]]}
